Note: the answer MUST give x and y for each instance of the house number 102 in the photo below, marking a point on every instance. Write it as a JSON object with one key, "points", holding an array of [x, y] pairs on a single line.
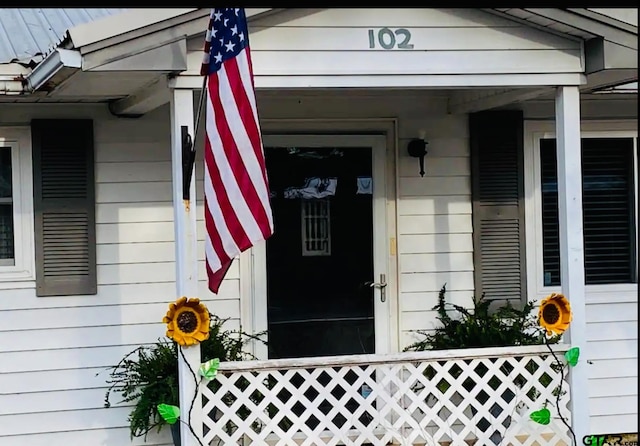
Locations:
{"points": [[387, 39]]}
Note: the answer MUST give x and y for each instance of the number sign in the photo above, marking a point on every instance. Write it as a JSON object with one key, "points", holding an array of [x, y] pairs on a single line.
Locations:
{"points": [[389, 39]]}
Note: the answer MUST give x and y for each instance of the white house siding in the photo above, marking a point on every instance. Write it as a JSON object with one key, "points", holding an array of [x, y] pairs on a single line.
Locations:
{"points": [[612, 311], [336, 42], [51, 348]]}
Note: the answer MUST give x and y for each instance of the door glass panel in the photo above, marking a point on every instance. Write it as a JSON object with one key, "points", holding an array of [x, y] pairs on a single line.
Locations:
{"points": [[320, 258]]}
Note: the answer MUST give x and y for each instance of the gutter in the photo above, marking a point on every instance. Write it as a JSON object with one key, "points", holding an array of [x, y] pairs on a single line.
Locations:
{"points": [[12, 81], [60, 63], [10, 86]]}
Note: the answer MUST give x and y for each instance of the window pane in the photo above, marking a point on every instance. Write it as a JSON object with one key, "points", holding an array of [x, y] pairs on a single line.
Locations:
{"points": [[6, 231], [5, 172], [6, 206], [608, 211], [550, 229]]}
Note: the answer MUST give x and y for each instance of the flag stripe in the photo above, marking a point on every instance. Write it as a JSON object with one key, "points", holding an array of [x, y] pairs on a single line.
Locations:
{"points": [[213, 245], [235, 236], [244, 68], [247, 137], [238, 212], [220, 239], [215, 277], [234, 177], [250, 69], [204, 70]]}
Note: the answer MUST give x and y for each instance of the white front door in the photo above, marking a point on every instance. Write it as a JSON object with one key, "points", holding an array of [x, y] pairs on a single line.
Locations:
{"points": [[319, 283]]}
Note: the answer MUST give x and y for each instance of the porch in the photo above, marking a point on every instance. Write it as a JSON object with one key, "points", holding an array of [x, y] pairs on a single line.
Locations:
{"points": [[456, 397]]}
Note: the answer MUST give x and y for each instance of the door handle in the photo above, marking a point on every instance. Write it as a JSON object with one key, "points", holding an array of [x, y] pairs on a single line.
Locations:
{"points": [[382, 285]]}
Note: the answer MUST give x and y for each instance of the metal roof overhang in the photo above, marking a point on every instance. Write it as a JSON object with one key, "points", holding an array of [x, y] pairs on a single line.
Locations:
{"points": [[136, 41]]}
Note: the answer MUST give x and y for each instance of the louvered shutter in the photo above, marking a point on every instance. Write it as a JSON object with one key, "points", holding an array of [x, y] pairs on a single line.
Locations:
{"points": [[64, 207], [498, 211]]}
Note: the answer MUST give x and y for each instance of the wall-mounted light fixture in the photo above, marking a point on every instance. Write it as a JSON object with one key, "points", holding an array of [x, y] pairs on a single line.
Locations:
{"points": [[417, 148]]}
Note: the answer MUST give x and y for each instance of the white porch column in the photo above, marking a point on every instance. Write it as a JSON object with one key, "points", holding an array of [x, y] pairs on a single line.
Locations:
{"points": [[181, 104], [572, 246]]}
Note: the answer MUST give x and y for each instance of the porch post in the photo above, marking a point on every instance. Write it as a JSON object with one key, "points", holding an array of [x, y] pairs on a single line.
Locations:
{"points": [[181, 104], [572, 275]]}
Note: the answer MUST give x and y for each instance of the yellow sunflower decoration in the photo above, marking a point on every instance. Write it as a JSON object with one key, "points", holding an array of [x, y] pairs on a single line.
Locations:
{"points": [[554, 314], [187, 321]]}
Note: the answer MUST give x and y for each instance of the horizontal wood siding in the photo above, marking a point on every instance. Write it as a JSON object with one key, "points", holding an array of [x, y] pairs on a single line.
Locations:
{"points": [[612, 335], [54, 350], [335, 42], [435, 243]]}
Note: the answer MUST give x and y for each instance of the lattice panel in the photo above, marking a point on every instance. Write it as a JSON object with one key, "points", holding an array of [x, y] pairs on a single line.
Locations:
{"points": [[481, 401]]}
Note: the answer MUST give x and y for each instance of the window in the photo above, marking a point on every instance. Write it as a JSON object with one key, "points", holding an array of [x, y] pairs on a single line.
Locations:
{"points": [[16, 206], [316, 227], [608, 203], [6, 208]]}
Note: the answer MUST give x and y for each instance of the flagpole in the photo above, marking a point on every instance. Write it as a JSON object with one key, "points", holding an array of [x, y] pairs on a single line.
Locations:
{"points": [[203, 93], [182, 123], [188, 159]]}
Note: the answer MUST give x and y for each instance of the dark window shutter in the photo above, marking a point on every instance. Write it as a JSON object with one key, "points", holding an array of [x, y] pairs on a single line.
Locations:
{"points": [[498, 211], [64, 207], [608, 210]]}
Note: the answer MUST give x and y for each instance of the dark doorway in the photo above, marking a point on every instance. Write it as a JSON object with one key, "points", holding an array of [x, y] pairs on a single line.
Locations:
{"points": [[320, 258]]}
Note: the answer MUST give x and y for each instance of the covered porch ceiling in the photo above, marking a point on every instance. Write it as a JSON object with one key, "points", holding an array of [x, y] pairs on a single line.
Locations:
{"points": [[131, 68]]}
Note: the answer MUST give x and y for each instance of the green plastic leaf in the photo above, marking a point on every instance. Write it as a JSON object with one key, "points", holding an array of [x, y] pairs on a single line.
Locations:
{"points": [[542, 416], [572, 356], [209, 369], [169, 413]]}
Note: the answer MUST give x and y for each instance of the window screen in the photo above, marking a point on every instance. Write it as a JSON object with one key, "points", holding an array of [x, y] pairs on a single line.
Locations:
{"points": [[607, 207]]}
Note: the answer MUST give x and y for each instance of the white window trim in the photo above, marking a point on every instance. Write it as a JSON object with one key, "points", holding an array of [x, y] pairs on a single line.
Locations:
{"points": [[534, 131], [23, 270]]}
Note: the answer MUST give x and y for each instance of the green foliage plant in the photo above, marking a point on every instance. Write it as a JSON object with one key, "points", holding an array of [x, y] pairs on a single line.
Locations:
{"points": [[483, 325], [148, 375], [480, 326]]}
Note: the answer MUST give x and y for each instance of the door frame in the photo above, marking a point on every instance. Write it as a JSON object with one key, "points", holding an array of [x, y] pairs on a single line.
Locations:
{"points": [[255, 261]]}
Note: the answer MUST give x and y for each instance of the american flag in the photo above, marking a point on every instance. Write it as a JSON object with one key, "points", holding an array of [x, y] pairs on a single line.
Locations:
{"points": [[237, 208]]}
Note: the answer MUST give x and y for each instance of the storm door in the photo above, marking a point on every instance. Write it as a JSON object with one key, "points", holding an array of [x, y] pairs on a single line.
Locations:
{"points": [[325, 265]]}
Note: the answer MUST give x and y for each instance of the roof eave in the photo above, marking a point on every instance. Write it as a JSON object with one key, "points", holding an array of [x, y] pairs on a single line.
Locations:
{"points": [[610, 21], [584, 24], [108, 32]]}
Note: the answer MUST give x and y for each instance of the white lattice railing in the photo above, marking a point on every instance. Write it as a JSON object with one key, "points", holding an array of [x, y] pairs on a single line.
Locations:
{"points": [[457, 397]]}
